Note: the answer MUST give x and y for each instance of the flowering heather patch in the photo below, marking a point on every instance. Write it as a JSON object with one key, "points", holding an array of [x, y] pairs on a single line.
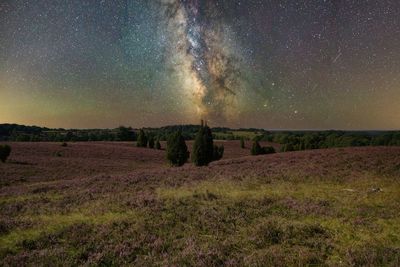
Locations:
{"points": [[108, 203]]}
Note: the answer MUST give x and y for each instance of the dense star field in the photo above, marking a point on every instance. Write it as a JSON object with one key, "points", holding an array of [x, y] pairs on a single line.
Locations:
{"points": [[255, 63]]}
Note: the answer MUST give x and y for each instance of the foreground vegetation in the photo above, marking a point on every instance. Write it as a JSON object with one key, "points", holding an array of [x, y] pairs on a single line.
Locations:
{"points": [[322, 207], [5, 151]]}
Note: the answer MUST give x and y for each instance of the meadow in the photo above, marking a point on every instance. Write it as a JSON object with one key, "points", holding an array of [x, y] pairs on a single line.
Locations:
{"points": [[111, 203]]}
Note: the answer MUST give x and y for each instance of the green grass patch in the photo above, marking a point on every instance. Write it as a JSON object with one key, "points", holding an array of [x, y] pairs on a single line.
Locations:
{"points": [[296, 217], [30, 197], [254, 221], [47, 224]]}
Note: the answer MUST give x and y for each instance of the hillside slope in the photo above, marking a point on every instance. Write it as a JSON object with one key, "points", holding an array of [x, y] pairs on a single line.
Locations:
{"points": [[112, 203]]}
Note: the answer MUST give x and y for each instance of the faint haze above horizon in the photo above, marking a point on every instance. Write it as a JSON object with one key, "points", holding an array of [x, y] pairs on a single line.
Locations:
{"points": [[331, 64]]}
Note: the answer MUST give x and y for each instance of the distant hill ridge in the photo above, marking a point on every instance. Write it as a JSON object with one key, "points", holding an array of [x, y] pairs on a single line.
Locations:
{"points": [[17, 132], [291, 140]]}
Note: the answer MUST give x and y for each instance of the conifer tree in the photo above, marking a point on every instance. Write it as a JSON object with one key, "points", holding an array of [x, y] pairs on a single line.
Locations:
{"points": [[256, 149], [5, 151], [218, 152], [204, 150], [142, 139], [158, 145], [242, 142], [151, 142], [177, 152], [199, 154], [268, 150]]}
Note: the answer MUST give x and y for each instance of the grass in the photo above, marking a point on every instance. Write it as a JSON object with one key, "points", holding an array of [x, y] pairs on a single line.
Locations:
{"points": [[251, 222], [31, 197], [49, 224], [261, 211], [343, 220]]}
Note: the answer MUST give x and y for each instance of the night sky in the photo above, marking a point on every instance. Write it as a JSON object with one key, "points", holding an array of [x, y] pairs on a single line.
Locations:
{"points": [[326, 64]]}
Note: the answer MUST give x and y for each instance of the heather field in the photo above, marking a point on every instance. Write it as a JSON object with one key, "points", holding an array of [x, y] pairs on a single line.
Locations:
{"points": [[105, 203]]}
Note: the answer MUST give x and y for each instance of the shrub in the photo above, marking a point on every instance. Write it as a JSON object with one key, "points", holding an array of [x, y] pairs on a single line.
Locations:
{"points": [[242, 142], [218, 152], [256, 149], [158, 145], [269, 150], [151, 142], [287, 148], [177, 152], [203, 147], [5, 151], [142, 139]]}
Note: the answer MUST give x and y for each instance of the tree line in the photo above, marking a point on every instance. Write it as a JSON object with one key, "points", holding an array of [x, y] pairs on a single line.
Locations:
{"points": [[290, 140], [294, 141]]}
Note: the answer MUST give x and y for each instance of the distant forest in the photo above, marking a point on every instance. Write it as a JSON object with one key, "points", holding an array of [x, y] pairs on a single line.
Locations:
{"points": [[290, 140]]}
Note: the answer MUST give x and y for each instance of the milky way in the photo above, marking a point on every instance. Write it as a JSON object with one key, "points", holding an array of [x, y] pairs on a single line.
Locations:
{"points": [[201, 52], [287, 64]]}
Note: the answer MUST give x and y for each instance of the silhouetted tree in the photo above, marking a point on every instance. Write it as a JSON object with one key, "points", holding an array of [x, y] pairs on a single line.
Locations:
{"points": [[203, 147], [151, 142], [142, 139], [177, 152], [123, 134], [242, 142], [158, 144], [268, 150], [69, 136], [5, 151], [256, 149], [218, 152]]}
